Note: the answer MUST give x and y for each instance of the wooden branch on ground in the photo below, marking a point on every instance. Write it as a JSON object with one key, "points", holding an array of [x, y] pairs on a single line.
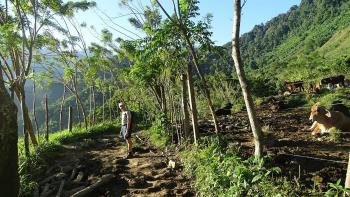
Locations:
{"points": [[104, 179]]}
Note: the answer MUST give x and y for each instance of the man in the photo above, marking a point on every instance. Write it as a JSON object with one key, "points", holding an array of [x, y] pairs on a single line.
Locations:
{"points": [[126, 127]]}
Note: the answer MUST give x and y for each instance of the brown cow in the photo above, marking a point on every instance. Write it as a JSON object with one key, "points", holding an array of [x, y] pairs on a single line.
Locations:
{"points": [[314, 88], [295, 85]]}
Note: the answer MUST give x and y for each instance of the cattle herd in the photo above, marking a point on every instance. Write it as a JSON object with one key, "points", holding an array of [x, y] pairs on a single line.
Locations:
{"points": [[329, 82]]}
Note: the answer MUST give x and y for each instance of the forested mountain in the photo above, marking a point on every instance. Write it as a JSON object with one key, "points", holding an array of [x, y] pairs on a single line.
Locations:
{"points": [[308, 42]]}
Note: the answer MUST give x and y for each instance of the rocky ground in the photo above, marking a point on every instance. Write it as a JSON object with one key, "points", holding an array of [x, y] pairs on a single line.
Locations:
{"points": [[97, 167]]}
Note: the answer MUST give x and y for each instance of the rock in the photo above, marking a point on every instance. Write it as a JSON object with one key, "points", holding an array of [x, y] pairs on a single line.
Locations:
{"points": [[171, 164], [79, 177], [60, 176]]}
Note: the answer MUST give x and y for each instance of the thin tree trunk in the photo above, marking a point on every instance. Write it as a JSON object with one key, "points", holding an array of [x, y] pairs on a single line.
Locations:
{"points": [[110, 105], [204, 86], [24, 131], [82, 109], [46, 119], [77, 107], [193, 105], [103, 98], [61, 108], [236, 55], [93, 104], [70, 118], [9, 178], [25, 115], [90, 105], [186, 120], [34, 108]]}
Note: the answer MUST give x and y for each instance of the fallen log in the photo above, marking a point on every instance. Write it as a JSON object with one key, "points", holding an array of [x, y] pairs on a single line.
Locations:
{"points": [[103, 180]]}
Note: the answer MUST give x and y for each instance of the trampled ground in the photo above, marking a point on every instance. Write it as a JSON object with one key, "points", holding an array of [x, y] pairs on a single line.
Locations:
{"points": [[84, 164]]}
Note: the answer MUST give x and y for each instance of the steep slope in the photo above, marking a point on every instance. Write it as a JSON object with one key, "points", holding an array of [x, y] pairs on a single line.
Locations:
{"points": [[307, 43]]}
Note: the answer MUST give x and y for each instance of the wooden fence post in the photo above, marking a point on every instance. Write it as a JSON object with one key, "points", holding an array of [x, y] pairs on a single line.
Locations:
{"points": [[347, 179], [70, 118], [46, 119]]}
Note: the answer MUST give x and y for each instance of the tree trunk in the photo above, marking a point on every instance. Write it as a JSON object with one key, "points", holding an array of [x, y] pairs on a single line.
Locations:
{"points": [[204, 86], [90, 106], [193, 105], [34, 108], [236, 55], [77, 106], [9, 178], [25, 115], [103, 97], [25, 131], [70, 117], [82, 109], [163, 98], [93, 104], [46, 119], [110, 105], [61, 108], [186, 120]]}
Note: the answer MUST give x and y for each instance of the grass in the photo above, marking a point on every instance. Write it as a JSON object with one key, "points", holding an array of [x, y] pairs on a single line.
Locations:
{"points": [[218, 171], [30, 168]]}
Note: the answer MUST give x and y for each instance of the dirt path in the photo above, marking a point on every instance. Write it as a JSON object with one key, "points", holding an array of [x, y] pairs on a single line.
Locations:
{"points": [[144, 174]]}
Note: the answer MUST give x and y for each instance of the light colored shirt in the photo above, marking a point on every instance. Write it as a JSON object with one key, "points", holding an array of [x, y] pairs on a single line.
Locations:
{"points": [[125, 117]]}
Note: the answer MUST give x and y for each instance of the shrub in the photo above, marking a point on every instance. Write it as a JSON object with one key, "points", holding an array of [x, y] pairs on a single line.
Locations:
{"points": [[159, 132], [334, 135], [220, 172]]}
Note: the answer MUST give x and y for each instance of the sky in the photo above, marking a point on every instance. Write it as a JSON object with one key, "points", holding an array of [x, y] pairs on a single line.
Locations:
{"points": [[254, 12]]}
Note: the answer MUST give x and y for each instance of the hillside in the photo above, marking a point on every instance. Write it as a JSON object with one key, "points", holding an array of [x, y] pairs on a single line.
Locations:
{"points": [[308, 42]]}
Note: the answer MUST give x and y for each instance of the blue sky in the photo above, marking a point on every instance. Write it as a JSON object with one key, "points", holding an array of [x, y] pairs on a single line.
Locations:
{"points": [[254, 12]]}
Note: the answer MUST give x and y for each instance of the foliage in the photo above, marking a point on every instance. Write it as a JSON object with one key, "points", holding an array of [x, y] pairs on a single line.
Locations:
{"points": [[334, 135], [159, 131], [337, 190], [218, 171]]}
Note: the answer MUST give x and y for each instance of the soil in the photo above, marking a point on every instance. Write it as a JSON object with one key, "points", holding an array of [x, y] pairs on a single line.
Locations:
{"points": [[310, 161], [146, 173]]}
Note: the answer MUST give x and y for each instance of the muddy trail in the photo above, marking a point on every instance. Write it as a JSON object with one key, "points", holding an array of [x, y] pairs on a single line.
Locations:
{"points": [[98, 167], [310, 161]]}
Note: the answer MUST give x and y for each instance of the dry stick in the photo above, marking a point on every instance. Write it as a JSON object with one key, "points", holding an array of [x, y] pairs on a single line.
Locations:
{"points": [[88, 190], [46, 119]]}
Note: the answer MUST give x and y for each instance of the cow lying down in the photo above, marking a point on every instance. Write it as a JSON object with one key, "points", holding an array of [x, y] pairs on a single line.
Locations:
{"points": [[325, 121]]}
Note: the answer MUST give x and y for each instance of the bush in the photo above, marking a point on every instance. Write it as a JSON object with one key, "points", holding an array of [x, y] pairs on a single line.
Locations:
{"points": [[159, 132], [220, 172]]}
